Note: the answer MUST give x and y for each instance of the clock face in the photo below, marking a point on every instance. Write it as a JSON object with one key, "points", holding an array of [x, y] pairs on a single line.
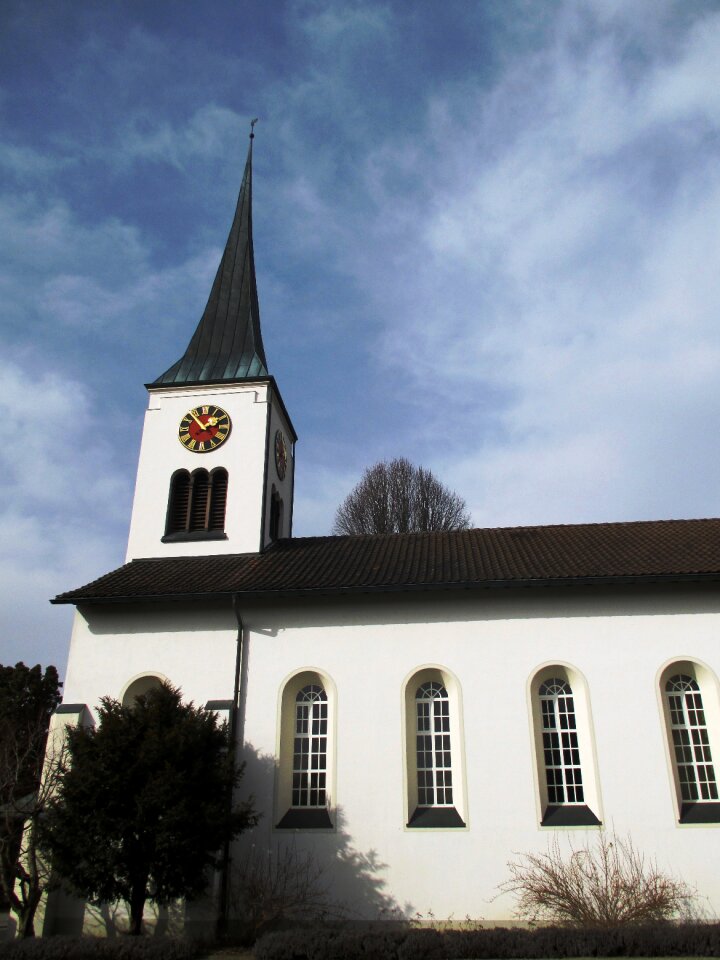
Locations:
{"points": [[202, 429], [281, 454]]}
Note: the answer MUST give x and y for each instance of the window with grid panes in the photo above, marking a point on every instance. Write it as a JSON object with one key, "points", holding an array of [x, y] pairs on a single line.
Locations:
{"points": [[561, 752], [309, 773], [434, 765], [691, 743]]}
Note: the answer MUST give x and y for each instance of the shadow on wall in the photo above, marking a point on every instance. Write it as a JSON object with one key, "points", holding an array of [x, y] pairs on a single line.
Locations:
{"points": [[282, 877], [277, 877]]}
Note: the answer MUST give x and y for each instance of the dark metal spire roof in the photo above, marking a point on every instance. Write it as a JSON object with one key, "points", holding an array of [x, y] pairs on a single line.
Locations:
{"points": [[227, 344]]}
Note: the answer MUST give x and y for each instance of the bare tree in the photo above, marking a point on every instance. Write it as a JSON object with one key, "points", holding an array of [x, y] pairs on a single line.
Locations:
{"points": [[30, 873], [397, 497], [28, 697], [606, 884]]}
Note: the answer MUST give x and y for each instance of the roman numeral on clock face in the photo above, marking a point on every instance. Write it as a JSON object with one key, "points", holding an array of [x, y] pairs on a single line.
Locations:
{"points": [[204, 428]]}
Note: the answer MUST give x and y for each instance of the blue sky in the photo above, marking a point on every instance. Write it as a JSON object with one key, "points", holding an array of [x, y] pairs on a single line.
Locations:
{"points": [[487, 239]]}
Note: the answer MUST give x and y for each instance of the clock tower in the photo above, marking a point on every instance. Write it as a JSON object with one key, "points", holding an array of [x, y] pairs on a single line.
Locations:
{"points": [[217, 467]]}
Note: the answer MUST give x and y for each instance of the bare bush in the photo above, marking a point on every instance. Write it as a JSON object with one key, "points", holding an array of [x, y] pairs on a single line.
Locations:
{"points": [[277, 885], [605, 884]]}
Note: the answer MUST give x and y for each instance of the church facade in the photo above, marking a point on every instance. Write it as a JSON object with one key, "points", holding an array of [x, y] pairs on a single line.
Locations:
{"points": [[414, 710]]}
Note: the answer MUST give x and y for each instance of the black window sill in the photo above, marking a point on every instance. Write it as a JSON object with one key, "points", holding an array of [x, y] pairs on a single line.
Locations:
{"points": [[186, 536], [306, 818], [436, 817], [570, 815], [700, 812]]}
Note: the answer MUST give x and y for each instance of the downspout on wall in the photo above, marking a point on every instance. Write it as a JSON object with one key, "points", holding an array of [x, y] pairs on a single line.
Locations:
{"points": [[235, 725]]}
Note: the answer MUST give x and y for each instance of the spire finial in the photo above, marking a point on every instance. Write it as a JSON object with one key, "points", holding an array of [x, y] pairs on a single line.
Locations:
{"points": [[252, 128]]}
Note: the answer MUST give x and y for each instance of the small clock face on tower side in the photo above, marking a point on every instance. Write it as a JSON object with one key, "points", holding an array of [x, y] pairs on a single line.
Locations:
{"points": [[204, 428], [281, 455]]}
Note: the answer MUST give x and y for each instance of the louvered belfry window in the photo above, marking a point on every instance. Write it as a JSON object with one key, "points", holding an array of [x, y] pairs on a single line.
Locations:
{"points": [[197, 502]]}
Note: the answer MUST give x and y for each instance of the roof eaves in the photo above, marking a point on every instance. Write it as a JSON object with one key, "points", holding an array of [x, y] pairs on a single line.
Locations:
{"points": [[467, 585]]}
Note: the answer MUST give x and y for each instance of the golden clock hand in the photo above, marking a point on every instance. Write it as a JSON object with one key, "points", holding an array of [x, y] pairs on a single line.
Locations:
{"points": [[198, 421]]}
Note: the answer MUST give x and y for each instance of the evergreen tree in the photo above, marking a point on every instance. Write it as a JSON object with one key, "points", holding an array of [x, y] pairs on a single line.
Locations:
{"points": [[146, 803]]}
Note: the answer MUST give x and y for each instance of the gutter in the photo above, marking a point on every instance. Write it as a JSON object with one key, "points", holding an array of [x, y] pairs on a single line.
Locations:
{"points": [[226, 861]]}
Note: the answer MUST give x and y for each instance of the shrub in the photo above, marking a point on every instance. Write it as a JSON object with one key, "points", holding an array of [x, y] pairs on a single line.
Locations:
{"points": [[606, 884], [282, 886], [89, 948], [664, 940]]}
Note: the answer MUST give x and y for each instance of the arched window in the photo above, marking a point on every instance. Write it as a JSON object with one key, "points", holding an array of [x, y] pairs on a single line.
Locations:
{"points": [[196, 505], [690, 742], [310, 748], [433, 750], [304, 789], [139, 687], [563, 772], [432, 744], [564, 749]]}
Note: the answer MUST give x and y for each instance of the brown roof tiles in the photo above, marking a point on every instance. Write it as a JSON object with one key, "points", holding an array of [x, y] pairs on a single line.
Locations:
{"points": [[508, 556]]}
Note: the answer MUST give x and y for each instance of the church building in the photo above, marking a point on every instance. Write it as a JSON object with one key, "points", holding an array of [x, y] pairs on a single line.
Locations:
{"points": [[414, 710]]}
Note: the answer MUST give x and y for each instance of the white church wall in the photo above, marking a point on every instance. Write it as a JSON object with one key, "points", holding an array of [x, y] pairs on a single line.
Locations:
{"points": [[161, 454], [492, 644], [192, 647], [273, 483]]}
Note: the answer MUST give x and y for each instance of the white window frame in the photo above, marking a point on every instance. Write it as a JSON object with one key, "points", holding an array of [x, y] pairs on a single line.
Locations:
{"points": [[317, 816], [450, 816], [681, 716], [575, 813]]}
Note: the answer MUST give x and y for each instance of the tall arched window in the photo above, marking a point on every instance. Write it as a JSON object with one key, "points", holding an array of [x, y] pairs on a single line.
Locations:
{"points": [[563, 773], [432, 744], [196, 505], [306, 735], [690, 742], [310, 748], [433, 750], [564, 748]]}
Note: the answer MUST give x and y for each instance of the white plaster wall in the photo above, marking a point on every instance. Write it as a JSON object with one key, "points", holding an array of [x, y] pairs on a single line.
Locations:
{"points": [[285, 487], [492, 643], [193, 648], [242, 455]]}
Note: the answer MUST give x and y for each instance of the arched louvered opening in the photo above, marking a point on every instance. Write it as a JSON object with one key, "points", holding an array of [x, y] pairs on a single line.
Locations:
{"points": [[196, 505], [218, 499], [179, 502], [199, 497], [276, 506]]}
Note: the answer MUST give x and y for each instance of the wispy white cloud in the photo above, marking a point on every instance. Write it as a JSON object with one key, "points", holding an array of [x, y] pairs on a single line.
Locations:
{"points": [[504, 268], [64, 505]]}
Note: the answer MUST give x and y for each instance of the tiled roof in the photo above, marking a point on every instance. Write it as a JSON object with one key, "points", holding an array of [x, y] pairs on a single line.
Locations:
{"points": [[507, 556]]}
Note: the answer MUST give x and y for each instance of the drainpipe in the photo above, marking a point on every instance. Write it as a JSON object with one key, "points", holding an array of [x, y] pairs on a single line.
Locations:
{"points": [[235, 713]]}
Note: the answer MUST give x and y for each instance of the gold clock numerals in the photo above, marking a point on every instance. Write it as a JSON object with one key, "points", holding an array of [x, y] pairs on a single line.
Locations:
{"points": [[204, 428]]}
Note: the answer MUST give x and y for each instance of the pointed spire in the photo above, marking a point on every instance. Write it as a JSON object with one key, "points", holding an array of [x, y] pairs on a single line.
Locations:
{"points": [[227, 344]]}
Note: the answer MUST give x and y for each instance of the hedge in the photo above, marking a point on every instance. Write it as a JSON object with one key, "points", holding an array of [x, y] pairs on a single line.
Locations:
{"points": [[89, 948], [658, 940]]}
